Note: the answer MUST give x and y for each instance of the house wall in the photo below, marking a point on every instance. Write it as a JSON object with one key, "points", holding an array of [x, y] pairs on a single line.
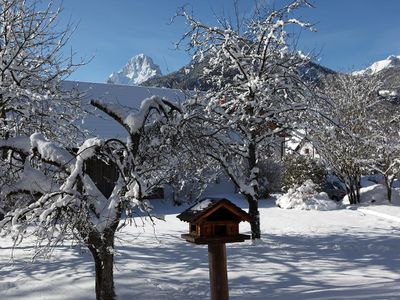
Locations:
{"points": [[308, 149]]}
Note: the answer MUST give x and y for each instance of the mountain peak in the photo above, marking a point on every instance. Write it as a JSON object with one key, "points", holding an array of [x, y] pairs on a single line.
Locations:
{"points": [[137, 70], [390, 62]]}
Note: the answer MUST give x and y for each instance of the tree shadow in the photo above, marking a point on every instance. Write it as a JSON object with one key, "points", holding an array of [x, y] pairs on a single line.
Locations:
{"points": [[350, 265], [22, 278]]}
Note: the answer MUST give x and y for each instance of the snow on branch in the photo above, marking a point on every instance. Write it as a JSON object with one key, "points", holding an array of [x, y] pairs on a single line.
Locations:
{"points": [[51, 152], [299, 3], [133, 122], [85, 152], [32, 181], [37, 143], [20, 144]]}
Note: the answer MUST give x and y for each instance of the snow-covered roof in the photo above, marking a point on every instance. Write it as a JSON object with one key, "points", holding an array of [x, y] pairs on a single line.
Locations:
{"points": [[294, 141], [101, 125], [209, 205]]}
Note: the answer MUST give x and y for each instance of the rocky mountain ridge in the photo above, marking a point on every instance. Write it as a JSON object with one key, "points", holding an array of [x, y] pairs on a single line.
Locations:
{"points": [[189, 77], [141, 70], [138, 69]]}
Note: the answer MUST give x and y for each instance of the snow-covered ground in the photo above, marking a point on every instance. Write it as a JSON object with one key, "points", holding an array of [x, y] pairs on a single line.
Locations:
{"points": [[338, 254]]}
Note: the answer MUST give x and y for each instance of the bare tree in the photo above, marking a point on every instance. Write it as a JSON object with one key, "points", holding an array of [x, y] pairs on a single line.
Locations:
{"points": [[70, 204], [256, 90], [349, 148], [383, 142]]}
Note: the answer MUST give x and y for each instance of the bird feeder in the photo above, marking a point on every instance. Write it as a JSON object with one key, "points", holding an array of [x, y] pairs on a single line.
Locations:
{"points": [[215, 222]]}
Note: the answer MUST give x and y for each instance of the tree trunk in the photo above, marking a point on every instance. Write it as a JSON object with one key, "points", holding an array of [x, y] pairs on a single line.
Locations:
{"points": [[358, 187], [102, 252], [255, 217], [352, 194], [253, 199], [353, 189], [4, 153], [104, 276], [388, 188]]}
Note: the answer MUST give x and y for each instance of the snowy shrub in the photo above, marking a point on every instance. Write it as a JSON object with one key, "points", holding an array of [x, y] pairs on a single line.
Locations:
{"points": [[298, 168], [376, 194], [306, 197]]}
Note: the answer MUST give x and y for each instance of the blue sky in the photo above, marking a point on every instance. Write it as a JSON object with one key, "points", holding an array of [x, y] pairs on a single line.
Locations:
{"points": [[351, 33]]}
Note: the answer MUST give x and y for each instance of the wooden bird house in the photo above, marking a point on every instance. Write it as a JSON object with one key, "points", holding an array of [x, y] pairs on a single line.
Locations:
{"points": [[214, 221]]}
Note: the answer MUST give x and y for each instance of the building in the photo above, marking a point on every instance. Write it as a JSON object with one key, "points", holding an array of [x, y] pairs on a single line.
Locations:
{"points": [[99, 124]]}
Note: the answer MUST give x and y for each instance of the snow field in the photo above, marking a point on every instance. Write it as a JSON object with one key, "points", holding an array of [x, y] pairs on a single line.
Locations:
{"points": [[338, 254]]}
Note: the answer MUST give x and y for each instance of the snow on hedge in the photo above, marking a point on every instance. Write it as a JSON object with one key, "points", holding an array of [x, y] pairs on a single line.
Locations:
{"points": [[306, 197], [376, 194]]}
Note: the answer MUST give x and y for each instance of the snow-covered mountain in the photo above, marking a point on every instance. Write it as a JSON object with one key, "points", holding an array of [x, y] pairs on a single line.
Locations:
{"points": [[390, 62], [189, 77], [138, 69]]}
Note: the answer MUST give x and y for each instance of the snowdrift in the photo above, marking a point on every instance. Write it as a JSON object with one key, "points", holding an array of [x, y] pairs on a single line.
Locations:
{"points": [[306, 197], [375, 194]]}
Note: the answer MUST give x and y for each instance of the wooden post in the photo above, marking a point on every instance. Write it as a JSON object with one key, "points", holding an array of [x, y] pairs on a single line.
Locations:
{"points": [[218, 271]]}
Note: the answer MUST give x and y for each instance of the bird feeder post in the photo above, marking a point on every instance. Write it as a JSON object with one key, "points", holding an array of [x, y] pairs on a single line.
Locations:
{"points": [[218, 271], [215, 222]]}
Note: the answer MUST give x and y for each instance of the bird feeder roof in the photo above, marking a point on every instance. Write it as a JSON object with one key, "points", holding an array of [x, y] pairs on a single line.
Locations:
{"points": [[207, 207]]}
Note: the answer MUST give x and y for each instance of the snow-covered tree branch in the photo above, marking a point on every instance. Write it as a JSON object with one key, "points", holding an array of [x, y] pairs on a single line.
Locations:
{"points": [[257, 93]]}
